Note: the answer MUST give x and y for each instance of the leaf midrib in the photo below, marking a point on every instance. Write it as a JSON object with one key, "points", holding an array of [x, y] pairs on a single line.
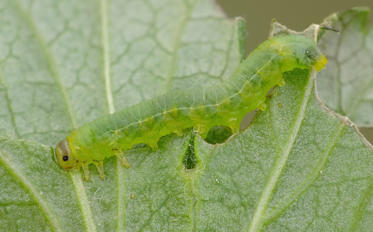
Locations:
{"points": [[311, 178], [259, 215], [105, 42]]}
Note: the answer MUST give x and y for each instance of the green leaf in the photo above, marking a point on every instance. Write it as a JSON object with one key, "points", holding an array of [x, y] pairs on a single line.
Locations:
{"points": [[297, 167], [64, 63], [34, 194], [346, 85]]}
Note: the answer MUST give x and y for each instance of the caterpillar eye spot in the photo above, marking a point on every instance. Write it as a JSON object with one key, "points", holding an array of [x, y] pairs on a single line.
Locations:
{"points": [[65, 158], [309, 54]]}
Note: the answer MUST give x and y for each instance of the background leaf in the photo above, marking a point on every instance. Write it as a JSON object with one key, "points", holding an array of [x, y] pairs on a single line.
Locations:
{"points": [[65, 63], [297, 167], [346, 85]]}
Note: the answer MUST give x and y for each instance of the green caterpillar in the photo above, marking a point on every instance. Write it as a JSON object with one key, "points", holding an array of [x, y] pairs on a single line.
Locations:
{"points": [[220, 105]]}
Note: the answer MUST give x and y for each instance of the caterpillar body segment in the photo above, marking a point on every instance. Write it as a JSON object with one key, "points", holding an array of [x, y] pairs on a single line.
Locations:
{"points": [[219, 105]]}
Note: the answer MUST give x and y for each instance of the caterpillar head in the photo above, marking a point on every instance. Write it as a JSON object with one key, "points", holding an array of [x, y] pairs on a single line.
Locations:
{"points": [[313, 57], [306, 52], [302, 51], [300, 45], [64, 156]]}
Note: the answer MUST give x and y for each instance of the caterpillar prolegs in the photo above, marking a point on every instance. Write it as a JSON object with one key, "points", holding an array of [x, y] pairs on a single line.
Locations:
{"points": [[220, 105]]}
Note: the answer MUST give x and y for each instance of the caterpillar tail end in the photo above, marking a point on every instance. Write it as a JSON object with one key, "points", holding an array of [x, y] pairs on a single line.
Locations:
{"points": [[320, 63]]}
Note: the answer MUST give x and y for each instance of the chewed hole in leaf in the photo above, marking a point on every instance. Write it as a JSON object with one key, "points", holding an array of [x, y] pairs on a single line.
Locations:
{"points": [[190, 160], [368, 133]]}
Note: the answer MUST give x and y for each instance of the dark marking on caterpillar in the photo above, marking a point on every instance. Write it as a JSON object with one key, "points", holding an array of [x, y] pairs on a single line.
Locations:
{"points": [[201, 109]]}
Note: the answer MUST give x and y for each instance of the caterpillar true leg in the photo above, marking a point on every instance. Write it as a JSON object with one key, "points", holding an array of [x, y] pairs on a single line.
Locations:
{"points": [[85, 171], [100, 169], [123, 160]]}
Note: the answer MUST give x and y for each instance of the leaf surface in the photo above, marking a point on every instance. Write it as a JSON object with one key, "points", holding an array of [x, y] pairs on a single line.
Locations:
{"points": [[66, 63], [298, 167], [346, 85]]}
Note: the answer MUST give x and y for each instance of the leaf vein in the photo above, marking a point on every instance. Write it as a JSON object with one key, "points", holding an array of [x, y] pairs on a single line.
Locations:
{"points": [[177, 45], [308, 182], [49, 58], [258, 218], [9, 106], [363, 204], [48, 214]]}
